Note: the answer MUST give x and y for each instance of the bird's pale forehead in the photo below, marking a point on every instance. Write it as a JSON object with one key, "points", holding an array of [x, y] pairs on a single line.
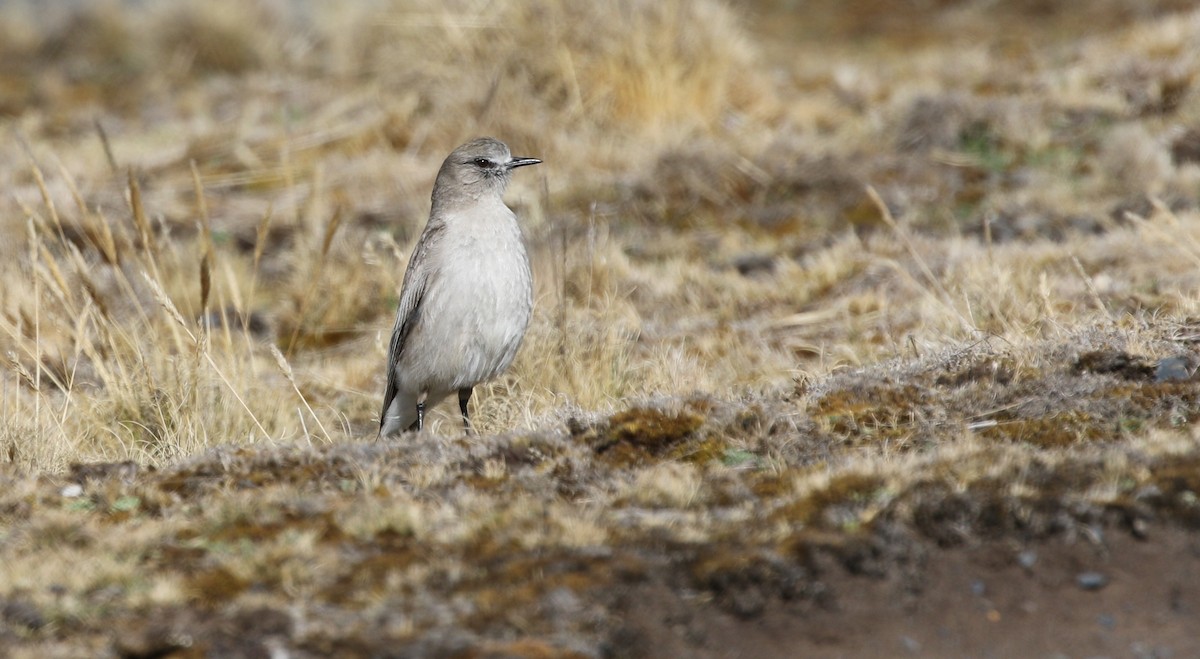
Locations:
{"points": [[484, 148]]}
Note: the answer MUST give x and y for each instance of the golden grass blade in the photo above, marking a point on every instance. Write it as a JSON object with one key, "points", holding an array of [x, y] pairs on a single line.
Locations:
{"points": [[315, 278], [260, 240], [108, 152], [23, 373], [942, 296], [261, 234], [206, 244], [91, 224], [84, 275], [139, 217], [34, 244], [286, 369], [60, 289], [173, 312], [48, 202], [1090, 284], [108, 242], [167, 305], [330, 230]]}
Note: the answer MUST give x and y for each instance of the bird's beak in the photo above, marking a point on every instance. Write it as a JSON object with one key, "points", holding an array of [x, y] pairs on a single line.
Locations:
{"points": [[521, 162]]}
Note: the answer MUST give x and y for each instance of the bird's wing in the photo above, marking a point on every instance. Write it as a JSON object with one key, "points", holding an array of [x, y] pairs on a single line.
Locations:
{"points": [[408, 314]]}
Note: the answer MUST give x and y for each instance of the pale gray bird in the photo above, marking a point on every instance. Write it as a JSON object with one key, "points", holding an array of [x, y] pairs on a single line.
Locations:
{"points": [[467, 293]]}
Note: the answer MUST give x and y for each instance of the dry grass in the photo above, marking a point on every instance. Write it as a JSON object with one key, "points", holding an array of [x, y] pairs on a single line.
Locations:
{"points": [[785, 290], [285, 224]]}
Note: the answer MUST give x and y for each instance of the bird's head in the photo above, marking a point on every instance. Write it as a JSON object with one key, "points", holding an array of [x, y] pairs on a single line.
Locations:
{"points": [[477, 168]]}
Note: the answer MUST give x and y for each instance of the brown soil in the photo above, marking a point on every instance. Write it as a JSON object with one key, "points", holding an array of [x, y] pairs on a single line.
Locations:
{"points": [[978, 601]]}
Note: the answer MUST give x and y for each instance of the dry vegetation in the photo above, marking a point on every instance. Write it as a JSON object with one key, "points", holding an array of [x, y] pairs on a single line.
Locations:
{"points": [[821, 293]]}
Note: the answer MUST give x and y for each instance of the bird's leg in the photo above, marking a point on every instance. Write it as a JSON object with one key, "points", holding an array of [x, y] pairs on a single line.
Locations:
{"points": [[464, 395], [420, 422]]}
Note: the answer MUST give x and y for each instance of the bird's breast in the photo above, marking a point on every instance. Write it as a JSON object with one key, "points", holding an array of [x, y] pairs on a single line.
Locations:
{"points": [[489, 266], [479, 302]]}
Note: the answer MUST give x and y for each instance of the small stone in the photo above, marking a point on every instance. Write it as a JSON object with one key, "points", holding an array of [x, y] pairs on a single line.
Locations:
{"points": [[1173, 369], [1027, 559], [1140, 528], [1091, 580], [978, 588], [72, 491], [1148, 492]]}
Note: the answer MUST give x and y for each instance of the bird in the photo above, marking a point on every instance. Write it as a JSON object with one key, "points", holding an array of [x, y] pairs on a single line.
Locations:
{"points": [[467, 294]]}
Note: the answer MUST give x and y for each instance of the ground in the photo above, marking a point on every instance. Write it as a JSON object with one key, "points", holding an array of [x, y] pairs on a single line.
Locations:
{"points": [[859, 331]]}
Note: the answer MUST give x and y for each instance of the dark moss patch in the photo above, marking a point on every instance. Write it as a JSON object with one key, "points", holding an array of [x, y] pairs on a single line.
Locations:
{"points": [[701, 452], [834, 506], [649, 428], [182, 557], [1175, 486], [1059, 430], [246, 468], [255, 530], [639, 435], [1114, 362], [873, 412], [1178, 476], [215, 585], [570, 479], [188, 482], [768, 485], [247, 529]]}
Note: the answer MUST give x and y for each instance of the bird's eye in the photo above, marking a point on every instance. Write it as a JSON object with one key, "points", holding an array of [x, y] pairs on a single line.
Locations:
{"points": [[484, 163]]}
